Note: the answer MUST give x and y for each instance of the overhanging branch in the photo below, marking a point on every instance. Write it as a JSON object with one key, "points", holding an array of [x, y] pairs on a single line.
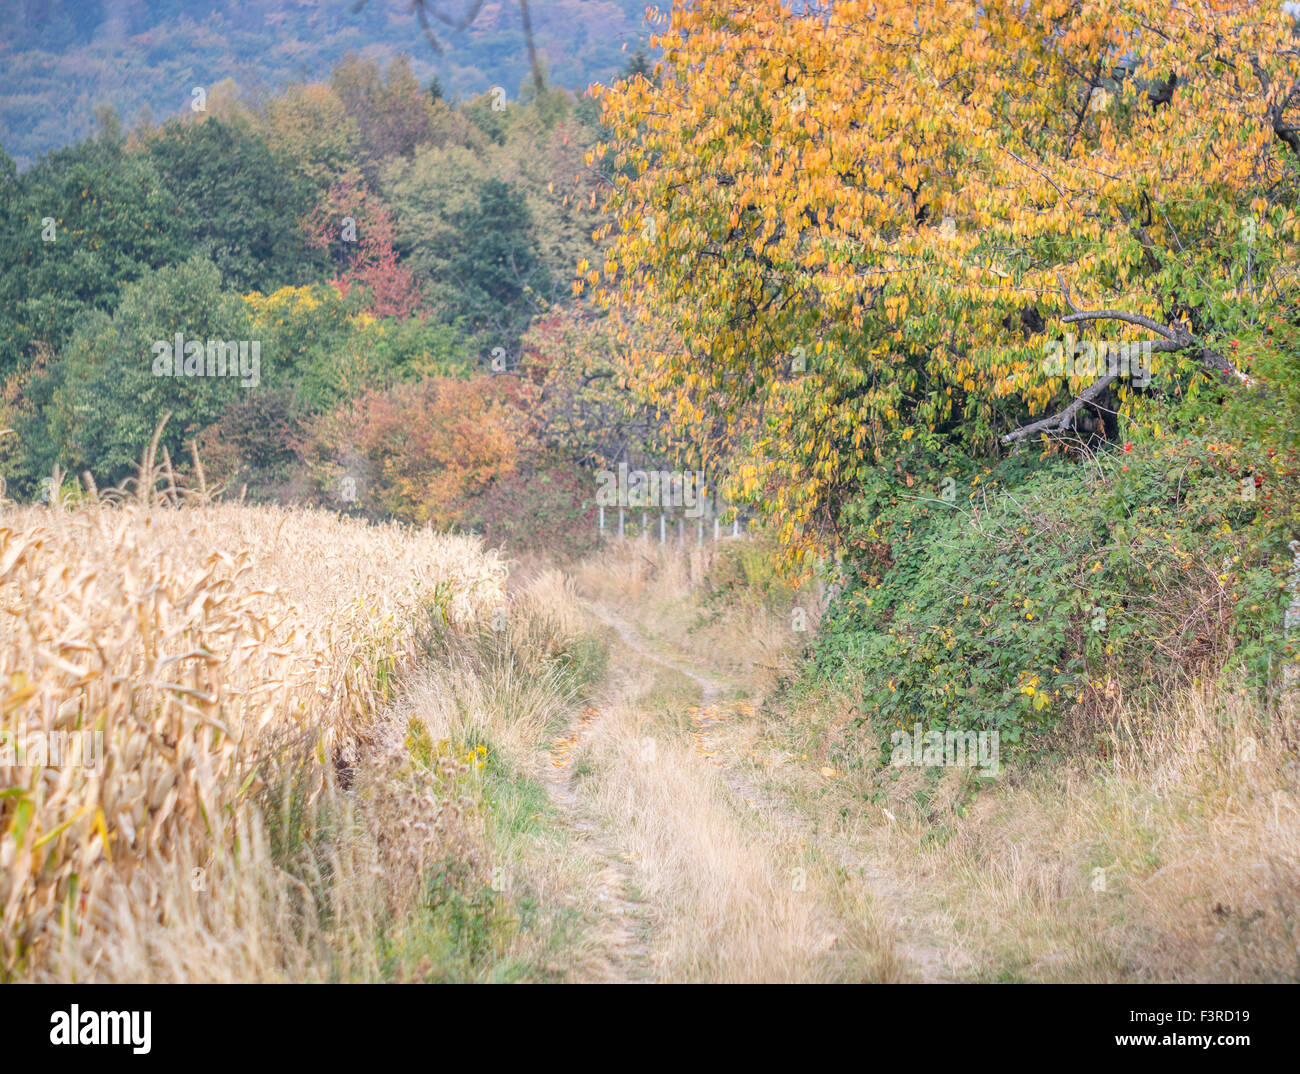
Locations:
{"points": [[1175, 339], [1176, 334]]}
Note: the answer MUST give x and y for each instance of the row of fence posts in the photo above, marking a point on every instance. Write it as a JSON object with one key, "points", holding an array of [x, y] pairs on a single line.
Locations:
{"points": [[701, 527]]}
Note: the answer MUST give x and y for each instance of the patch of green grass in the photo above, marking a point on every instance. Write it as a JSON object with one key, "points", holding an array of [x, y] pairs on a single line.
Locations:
{"points": [[466, 929], [470, 923], [459, 934], [516, 805], [584, 661]]}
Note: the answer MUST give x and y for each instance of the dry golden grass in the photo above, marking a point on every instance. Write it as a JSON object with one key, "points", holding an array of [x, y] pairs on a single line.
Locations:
{"points": [[730, 890], [635, 572], [738, 887], [1192, 832], [502, 681], [223, 653], [664, 588], [307, 718], [1176, 857], [1187, 820]]}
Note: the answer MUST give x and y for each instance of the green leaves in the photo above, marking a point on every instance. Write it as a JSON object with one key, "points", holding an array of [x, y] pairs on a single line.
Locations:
{"points": [[104, 398], [1007, 608], [112, 221], [237, 205]]}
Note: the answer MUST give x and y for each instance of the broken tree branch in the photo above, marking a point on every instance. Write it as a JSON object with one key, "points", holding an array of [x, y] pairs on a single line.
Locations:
{"points": [[1176, 334], [1065, 419]]}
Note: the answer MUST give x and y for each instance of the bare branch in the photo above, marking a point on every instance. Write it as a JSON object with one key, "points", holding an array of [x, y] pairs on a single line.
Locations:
{"points": [[1065, 419], [423, 16], [1065, 292], [1177, 334], [1176, 339], [1026, 163], [464, 23], [538, 83]]}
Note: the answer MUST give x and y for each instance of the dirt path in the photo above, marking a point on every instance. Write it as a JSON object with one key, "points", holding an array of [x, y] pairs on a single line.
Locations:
{"points": [[623, 921], [919, 935], [705, 721]]}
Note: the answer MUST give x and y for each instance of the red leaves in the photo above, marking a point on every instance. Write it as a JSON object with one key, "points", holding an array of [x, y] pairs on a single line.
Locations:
{"points": [[426, 448], [357, 229]]}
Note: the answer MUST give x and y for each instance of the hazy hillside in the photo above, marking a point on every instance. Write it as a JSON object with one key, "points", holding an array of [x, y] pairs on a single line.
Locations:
{"points": [[59, 59]]}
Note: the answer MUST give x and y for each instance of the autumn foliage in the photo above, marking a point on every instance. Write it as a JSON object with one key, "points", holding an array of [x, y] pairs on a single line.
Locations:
{"points": [[418, 452], [865, 222], [355, 227]]}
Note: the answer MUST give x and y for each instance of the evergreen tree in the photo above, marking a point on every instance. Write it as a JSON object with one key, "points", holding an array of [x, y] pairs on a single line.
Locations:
{"points": [[495, 270]]}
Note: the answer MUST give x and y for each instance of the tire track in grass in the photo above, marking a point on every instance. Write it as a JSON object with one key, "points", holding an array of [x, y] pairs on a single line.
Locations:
{"points": [[913, 930], [623, 922]]}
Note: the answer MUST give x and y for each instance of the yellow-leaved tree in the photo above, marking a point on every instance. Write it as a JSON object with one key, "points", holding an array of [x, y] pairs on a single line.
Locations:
{"points": [[866, 222]]}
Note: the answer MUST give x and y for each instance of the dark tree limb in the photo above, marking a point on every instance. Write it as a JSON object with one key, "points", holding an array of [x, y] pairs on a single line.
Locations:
{"points": [[1065, 419], [1144, 239], [424, 8], [1175, 339], [1289, 136], [532, 48], [1177, 334], [1163, 91]]}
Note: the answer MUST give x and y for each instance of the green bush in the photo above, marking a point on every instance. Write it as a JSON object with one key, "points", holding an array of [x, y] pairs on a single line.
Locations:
{"points": [[749, 569], [995, 599]]}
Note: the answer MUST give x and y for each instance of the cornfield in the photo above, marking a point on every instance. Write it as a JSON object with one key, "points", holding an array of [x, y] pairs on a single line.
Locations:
{"points": [[204, 650]]}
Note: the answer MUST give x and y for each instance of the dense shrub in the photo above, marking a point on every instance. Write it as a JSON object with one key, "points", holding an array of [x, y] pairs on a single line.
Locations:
{"points": [[1031, 588], [544, 507], [253, 447]]}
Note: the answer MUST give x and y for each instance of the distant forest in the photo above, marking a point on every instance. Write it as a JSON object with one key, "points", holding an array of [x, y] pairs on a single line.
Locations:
{"points": [[60, 60]]}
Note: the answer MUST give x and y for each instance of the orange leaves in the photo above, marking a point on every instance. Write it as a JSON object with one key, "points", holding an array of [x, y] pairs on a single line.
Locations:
{"points": [[428, 447]]}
